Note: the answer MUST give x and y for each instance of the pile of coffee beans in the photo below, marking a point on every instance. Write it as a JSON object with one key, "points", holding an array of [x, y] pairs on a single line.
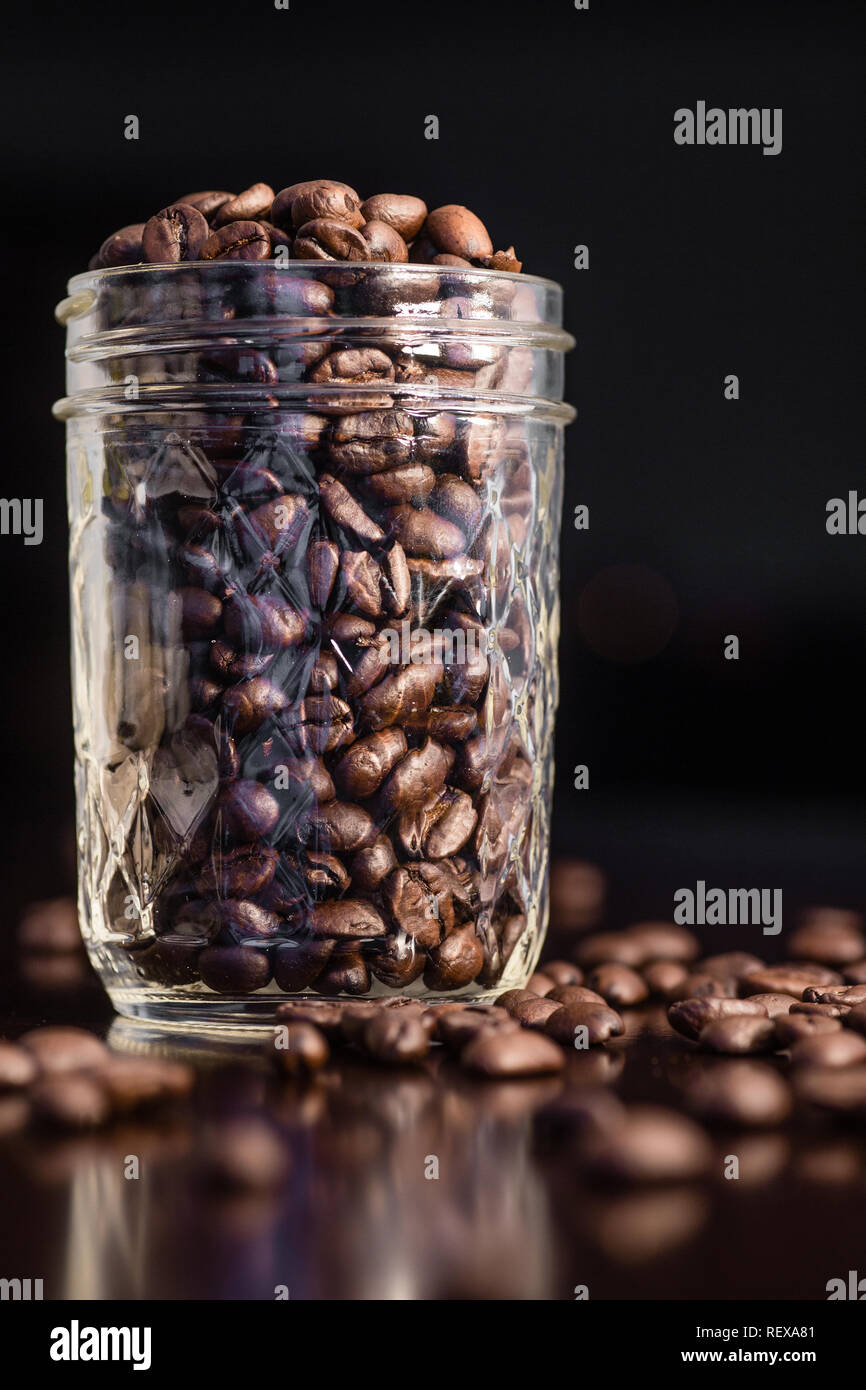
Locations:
{"points": [[72, 1080], [313, 585], [316, 220]]}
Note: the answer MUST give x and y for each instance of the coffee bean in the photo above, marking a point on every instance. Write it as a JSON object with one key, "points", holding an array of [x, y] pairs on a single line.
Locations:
{"points": [[300, 1051], [855, 974], [123, 247], [618, 985], [456, 962], [839, 1011], [730, 963], [60, 1050], [247, 810], [534, 1013], [842, 1048], [575, 994], [603, 948], [298, 963], [540, 984], [505, 1052], [396, 1037], [324, 1014], [791, 1027], [562, 972], [347, 970], [792, 978], [327, 239], [178, 233], [253, 203], [663, 941], [739, 1033], [18, 1067], [847, 995], [348, 917], [576, 1025], [649, 1144], [666, 978], [691, 1016], [234, 969], [384, 243], [455, 230], [576, 894], [775, 1004], [237, 241], [398, 210], [833, 936], [459, 1026], [856, 1019]]}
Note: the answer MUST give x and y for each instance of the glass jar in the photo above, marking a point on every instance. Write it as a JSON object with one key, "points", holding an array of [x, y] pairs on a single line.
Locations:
{"points": [[314, 514]]}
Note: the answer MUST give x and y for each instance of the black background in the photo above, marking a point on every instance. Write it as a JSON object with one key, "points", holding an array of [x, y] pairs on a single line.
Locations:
{"points": [[556, 126]]}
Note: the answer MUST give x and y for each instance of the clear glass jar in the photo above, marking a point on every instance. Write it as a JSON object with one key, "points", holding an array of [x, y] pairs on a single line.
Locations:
{"points": [[314, 516]]}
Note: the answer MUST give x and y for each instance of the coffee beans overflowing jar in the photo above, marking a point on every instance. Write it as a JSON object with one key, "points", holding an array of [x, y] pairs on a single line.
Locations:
{"points": [[314, 508]]}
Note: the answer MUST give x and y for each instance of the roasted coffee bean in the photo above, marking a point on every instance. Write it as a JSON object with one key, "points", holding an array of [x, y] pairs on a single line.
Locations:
{"points": [[371, 441], [691, 1016], [540, 984], [397, 698], [839, 1048], [324, 1014], [791, 1027], [18, 1067], [178, 233], [603, 948], [561, 972], [832, 936], [424, 533], [60, 1050], [297, 964], [576, 894], [234, 969], [253, 203], [739, 1033], [263, 624], [237, 241], [730, 963], [459, 1026], [792, 978], [347, 970], [241, 871], [384, 243], [456, 962], [663, 941], [847, 995], [343, 827], [826, 1010], [574, 994], [208, 202], [412, 483], [248, 705], [534, 1013], [365, 765], [397, 960], [699, 985], [247, 810], [456, 231], [346, 511], [327, 239], [855, 974], [751, 1094], [371, 866], [77, 1101], [584, 1024], [618, 985], [348, 917], [398, 210], [396, 1037], [775, 1004], [123, 247], [666, 978], [648, 1144], [300, 1050], [421, 770], [509, 1052], [513, 997]]}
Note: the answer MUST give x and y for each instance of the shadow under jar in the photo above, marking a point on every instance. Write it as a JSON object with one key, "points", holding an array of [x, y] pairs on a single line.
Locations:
{"points": [[314, 520]]}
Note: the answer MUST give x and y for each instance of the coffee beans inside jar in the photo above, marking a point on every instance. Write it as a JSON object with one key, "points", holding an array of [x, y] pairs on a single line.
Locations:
{"points": [[316, 673]]}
